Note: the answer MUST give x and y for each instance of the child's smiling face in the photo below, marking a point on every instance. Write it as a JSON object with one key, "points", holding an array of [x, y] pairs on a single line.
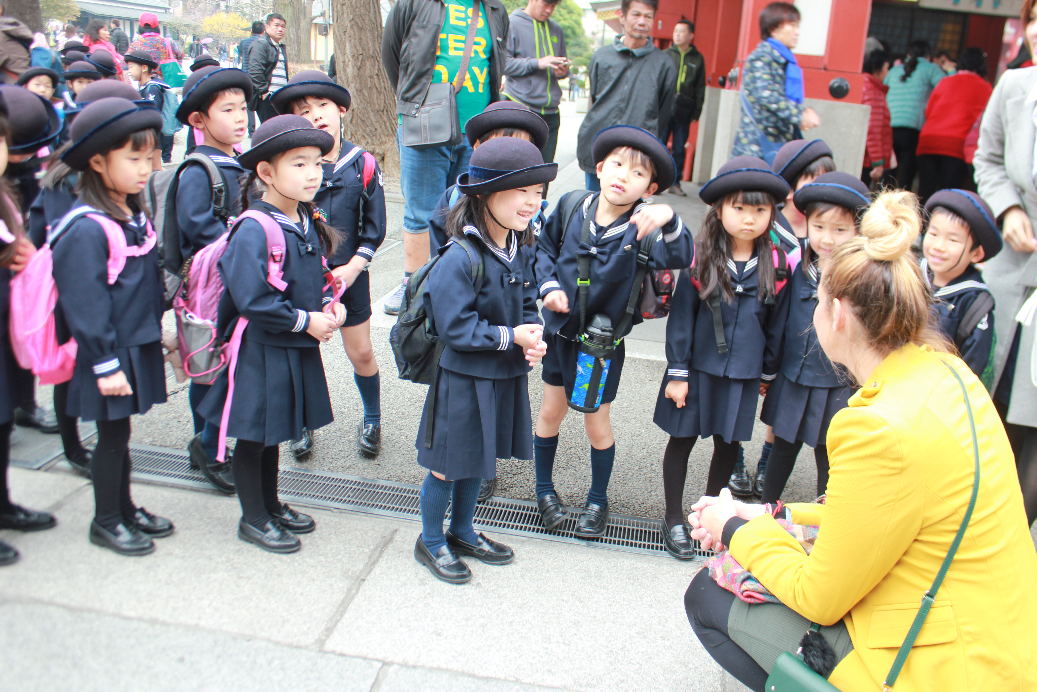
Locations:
{"points": [[948, 247], [829, 229]]}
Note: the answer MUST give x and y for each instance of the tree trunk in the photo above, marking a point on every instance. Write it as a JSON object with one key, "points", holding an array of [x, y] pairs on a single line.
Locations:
{"points": [[371, 121], [299, 18], [26, 11]]}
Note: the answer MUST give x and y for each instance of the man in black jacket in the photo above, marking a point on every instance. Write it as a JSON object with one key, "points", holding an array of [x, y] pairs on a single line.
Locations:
{"points": [[119, 38], [691, 92], [268, 66], [257, 32]]}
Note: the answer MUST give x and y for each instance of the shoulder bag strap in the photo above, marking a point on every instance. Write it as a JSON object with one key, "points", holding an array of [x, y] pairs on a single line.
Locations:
{"points": [[930, 595], [583, 266], [468, 43], [275, 244], [983, 304], [644, 253]]}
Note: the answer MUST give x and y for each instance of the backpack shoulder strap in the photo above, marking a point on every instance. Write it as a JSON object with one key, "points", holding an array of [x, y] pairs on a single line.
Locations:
{"points": [[477, 262], [979, 309], [216, 180], [369, 166], [644, 253], [275, 245], [118, 250], [65, 221], [568, 209]]}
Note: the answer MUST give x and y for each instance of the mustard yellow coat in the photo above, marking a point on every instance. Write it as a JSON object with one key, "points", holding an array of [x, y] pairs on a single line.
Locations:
{"points": [[901, 476]]}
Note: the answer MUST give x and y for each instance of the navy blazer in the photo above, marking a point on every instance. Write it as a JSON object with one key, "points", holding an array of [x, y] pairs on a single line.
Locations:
{"points": [[103, 318], [799, 356], [361, 223], [276, 318], [195, 215], [614, 261], [49, 207], [952, 302], [782, 234], [750, 331], [478, 330]]}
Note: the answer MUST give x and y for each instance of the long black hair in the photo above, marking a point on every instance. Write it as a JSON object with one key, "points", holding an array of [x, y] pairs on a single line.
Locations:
{"points": [[254, 189], [473, 210], [92, 191], [8, 204], [713, 249], [917, 49]]}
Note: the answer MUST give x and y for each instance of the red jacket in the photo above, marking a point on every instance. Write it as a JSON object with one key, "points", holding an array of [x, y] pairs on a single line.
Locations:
{"points": [[879, 150], [955, 105]]}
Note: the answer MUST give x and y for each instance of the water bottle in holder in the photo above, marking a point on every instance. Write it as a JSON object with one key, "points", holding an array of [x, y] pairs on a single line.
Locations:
{"points": [[594, 355]]}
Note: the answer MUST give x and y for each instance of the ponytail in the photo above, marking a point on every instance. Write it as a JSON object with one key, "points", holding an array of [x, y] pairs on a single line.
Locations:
{"points": [[918, 49]]}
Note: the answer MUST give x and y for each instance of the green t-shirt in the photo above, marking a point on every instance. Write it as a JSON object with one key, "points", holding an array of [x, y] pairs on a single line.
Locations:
{"points": [[474, 93]]}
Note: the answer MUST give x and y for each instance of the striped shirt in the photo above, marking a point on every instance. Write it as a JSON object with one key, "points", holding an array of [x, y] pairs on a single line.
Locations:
{"points": [[907, 99], [279, 77]]}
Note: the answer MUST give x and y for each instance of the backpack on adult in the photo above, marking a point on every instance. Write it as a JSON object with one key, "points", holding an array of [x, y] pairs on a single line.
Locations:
{"points": [[170, 103], [34, 295], [160, 195]]}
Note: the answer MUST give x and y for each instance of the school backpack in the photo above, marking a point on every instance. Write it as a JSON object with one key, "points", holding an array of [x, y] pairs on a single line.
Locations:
{"points": [[170, 104], [160, 195], [34, 294]]}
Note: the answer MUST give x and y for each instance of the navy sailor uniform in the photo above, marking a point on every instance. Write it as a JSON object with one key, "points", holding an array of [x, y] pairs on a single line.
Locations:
{"points": [[9, 399], [723, 388], [482, 411], [117, 327], [280, 386], [360, 222], [808, 389], [195, 215], [951, 303], [614, 261], [782, 234]]}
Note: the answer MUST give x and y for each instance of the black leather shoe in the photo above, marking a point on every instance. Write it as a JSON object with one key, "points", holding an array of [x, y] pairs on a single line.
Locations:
{"points": [[80, 462], [678, 542], [272, 537], [740, 484], [21, 519], [8, 554], [219, 474], [302, 447], [444, 565], [37, 417], [296, 522], [154, 526], [552, 513], [761, 473], [369, 439], [487, 489], [594, 521], [125, 540], [488, 551]]}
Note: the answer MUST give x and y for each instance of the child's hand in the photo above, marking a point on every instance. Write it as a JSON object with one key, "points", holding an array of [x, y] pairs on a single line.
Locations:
{"points": [[536, 354], [528, 335], [115, 385], [764, 386], [557, 301], [678, 391], [349, 271], [22, 255], [650, 218], [338, 313], [321, 326]]}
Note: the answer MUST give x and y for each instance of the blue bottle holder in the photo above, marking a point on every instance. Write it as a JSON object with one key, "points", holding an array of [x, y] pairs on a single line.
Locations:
{"points": [[596, 348]]}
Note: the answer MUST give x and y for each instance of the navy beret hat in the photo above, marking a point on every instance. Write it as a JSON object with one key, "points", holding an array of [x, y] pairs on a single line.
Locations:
{"points": [[977, 214], [507, 114], [283, 133], [203, 83], [310, 83], [103, 123], [505, 163], [793, 158], [837, 188], [744, 173], [612, 138]]}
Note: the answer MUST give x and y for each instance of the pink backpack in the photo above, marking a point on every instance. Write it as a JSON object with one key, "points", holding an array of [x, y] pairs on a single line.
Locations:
{"points": [[34, 295]]}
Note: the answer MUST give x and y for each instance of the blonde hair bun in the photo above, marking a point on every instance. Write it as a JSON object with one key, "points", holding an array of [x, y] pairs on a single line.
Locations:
{"points": [[890, 226]]}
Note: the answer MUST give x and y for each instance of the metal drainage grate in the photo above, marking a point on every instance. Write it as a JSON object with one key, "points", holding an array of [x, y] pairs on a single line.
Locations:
{"points": [[400, 500]]}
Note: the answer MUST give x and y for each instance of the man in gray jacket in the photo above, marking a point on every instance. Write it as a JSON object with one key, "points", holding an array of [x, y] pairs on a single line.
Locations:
{"points": [[631, 83], [536, 61]]}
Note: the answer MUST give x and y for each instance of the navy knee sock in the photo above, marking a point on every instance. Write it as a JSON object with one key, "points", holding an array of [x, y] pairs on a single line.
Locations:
{"points": [[211, 440], [462, 509], [435, 495], [601, 472], [544, 449], [195, 393], [370, 395]]}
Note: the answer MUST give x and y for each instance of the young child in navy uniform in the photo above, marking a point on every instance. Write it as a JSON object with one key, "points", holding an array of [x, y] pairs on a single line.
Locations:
{"points": [[632, 164], [279, 385], [78, 75], [214, 103], [719, 331], [799, 162], [478, 405], [960, 233], [808, 390], [15, 253], [358, 213], [141, 67], [118, 326]]}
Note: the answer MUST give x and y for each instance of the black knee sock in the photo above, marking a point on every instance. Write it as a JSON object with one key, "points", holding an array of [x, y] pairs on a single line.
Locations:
{"points": [[271, 466], [5, 460], [821, 457], [107, 470], [195, 393], [602, 461], [129, 510], [68, 426], [544, 450], [779, 468], [675, 474], [725, 454], [247, 464]]}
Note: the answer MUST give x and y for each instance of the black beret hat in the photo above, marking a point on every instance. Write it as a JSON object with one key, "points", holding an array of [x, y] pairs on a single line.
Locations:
{"points": [[141, 57], [72, 56], [103, 89], [73, 44], [81, 69], [744, 173], [505, 163], [310, 83], [842, 189], [103, 123], [203, 83], [795, 156], [283, 133], [33, 122], [977, 214], [103, 61], [33, 72], [507, 114], [612, 138], [204, 60]]}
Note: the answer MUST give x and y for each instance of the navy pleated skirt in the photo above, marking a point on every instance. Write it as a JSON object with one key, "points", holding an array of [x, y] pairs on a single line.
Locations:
{"points": [[477, 421], [715, 406], [7, 365], [144, 368], [277, 392], [802, 414]]}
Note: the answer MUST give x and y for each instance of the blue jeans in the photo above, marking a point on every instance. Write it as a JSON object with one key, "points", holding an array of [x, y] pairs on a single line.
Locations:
{"points": [[593, 184], [425, 174]]}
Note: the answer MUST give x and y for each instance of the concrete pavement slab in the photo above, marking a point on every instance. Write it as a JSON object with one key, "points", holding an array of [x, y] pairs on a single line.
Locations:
{"points": [[394, 678], [44, 490]]}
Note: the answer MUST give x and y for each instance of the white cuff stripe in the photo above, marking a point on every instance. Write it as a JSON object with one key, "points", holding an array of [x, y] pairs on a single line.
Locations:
{"points": [[300, 321], [549, 286], [107, 366], [505, 339], [768, 378], [366, 252], [670, 237], [677, 372]]}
